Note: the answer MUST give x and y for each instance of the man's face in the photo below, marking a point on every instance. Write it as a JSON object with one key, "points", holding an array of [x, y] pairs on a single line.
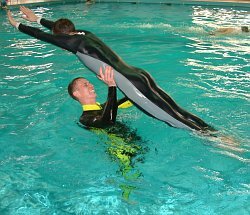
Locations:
{"points": [[85, 89]]}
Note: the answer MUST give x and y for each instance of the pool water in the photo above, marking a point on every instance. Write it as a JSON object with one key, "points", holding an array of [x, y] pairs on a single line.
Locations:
{"points": [[51, 165]]}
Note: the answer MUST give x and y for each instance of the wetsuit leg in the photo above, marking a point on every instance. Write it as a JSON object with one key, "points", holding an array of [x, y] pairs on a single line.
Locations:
{"points": [[187, 115], [173, 109]]}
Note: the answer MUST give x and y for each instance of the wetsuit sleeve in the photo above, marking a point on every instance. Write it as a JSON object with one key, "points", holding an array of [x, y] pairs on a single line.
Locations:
{"points": [[105, 117], [110, 108], [70, 43], [46, 23]]}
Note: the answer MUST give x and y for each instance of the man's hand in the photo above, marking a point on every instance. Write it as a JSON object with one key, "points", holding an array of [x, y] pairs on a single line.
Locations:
{"points": [[11, 19], [28, 14], [108, 76]]}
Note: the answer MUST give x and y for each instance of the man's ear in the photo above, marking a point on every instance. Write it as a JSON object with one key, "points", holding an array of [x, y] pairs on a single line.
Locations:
{"points": [[76, 94]]}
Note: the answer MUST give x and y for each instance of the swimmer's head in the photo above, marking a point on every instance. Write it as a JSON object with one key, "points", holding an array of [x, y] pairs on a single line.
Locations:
{"points": [[245, 29], [82, 91], [72, 87], [63, 26]]}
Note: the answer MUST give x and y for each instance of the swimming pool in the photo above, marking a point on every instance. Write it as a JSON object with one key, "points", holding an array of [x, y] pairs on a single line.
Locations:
{"points": [[50, 165]]}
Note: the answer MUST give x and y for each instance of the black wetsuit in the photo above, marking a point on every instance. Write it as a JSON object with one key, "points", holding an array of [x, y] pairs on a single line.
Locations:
{"points": [[106, 115], [150, 99]]}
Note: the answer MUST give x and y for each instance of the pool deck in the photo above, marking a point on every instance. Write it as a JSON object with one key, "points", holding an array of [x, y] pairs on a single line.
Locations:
{"points": [[17, 2], [235, 1], [20, 2]]}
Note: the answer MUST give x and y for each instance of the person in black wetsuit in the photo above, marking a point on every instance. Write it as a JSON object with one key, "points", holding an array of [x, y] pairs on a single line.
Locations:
{"points": [[134, 82], [123, 144]]}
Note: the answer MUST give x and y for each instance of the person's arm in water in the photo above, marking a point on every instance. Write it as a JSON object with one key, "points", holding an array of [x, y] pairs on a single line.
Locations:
{"points": [[124, 100], [106, 116], [29, 15], [70, 43]]}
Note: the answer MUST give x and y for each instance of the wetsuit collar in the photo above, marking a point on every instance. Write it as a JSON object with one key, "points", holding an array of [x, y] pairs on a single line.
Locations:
{"points": [[95, 106], [77, 33]]}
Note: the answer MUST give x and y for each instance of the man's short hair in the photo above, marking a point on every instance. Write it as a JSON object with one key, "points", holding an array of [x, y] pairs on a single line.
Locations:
{"points": [[72, 87], [63, 26], [244, 29]]}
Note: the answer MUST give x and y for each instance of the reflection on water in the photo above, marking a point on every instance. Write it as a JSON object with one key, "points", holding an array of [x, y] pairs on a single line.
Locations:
{"points": [[220, 63], [220, 17]]}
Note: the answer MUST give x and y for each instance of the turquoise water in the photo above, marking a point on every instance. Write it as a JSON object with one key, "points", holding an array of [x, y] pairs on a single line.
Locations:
{"points": [[50, 165]]}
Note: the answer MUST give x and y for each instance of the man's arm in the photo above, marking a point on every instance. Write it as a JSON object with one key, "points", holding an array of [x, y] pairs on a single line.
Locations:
{"points": [[70, 43], [110, 107], [47, 23], [32, 17], [124, 103]]}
